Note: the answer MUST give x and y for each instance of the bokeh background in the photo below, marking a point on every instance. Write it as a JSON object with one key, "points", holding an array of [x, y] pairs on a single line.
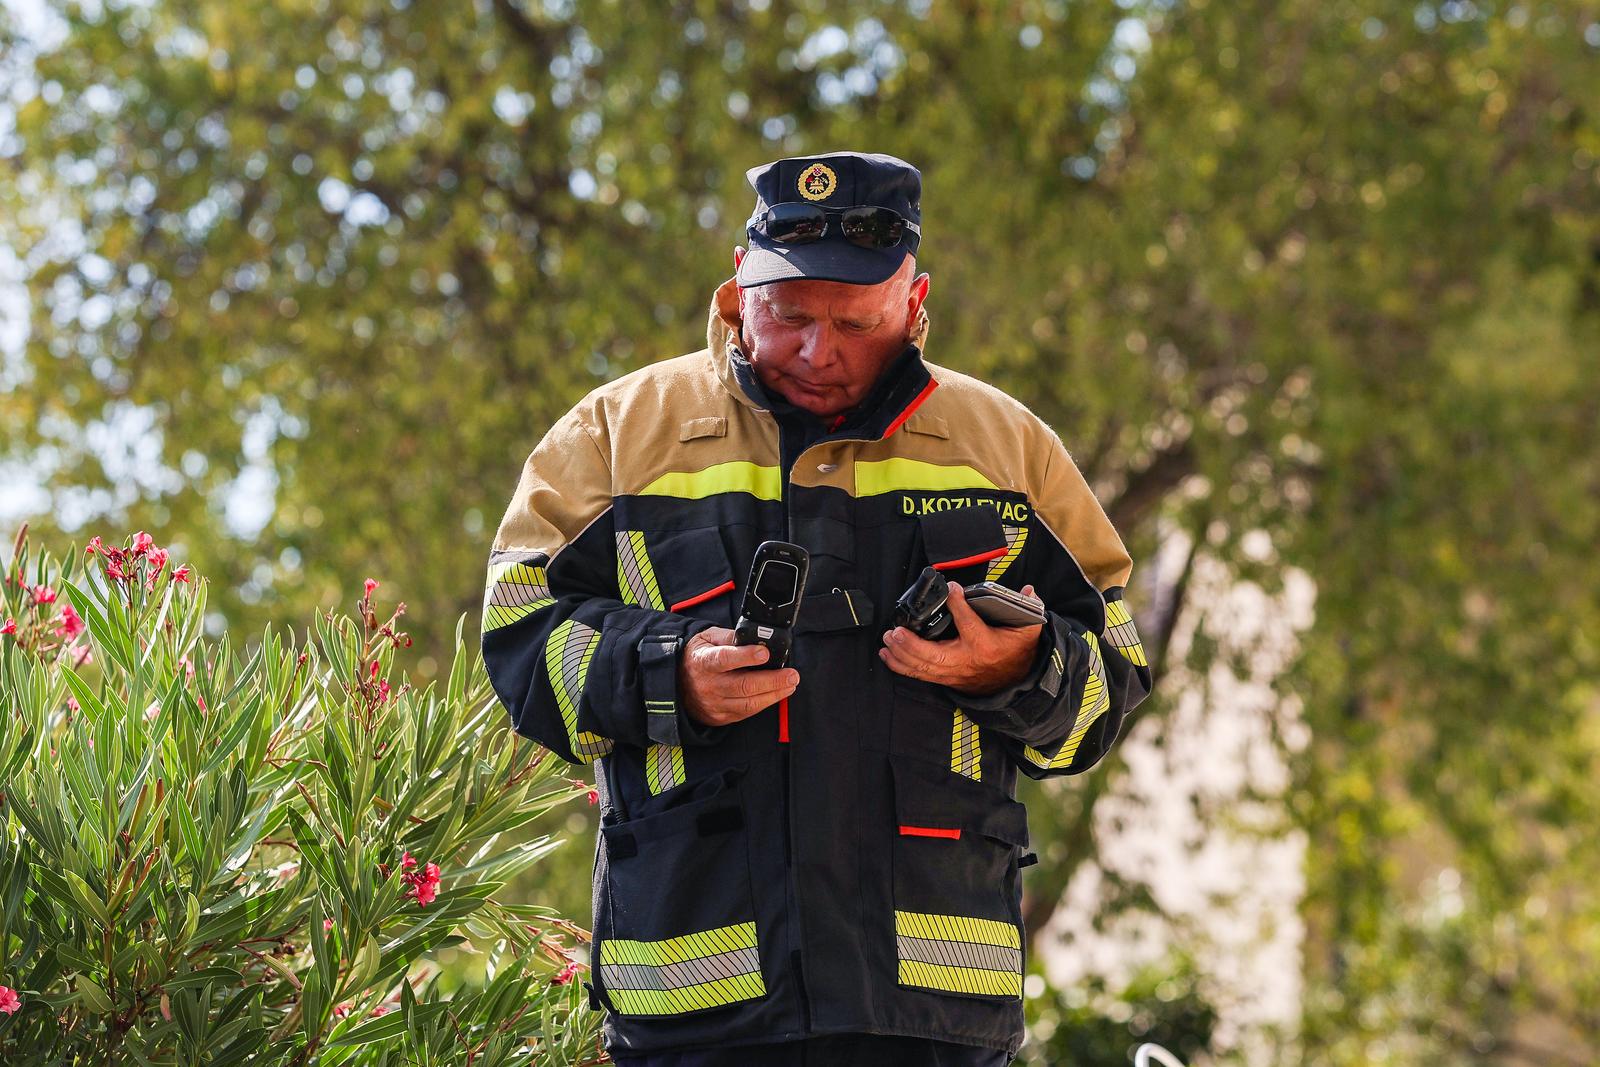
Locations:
{"points": [[1311, 290]]}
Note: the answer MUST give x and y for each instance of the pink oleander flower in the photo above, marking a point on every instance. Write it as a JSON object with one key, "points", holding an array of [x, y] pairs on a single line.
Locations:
{"points": [[341, 1011], [374, 668], [72, 703], [594, 796], [181, 574], [43, 594], [566, 974], [9, 1001], [94, 547], [407, 861], [327, 924], [381, 1009], [158, 559], [369, 585], [383, 691], [424, 886], [71, 622], [142, 543], [10, 627]]}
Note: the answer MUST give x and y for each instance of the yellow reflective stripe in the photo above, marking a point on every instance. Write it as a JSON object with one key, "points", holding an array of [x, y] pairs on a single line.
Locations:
{"points": [[959, 933], [960, 979], [663, 767], [899, 474], [735, 476], [636, 578], [1122, 634], [687, 998], [956, 928], [1016, 537], [965, 754], [515, 590], [567, 654], [1096, 700], [679, 949]]}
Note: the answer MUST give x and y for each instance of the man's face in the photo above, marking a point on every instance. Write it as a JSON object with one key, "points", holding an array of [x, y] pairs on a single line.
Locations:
{"points": [[822, 345]]}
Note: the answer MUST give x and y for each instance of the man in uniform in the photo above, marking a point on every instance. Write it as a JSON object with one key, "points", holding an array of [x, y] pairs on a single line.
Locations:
{"points": [[818, 862]]}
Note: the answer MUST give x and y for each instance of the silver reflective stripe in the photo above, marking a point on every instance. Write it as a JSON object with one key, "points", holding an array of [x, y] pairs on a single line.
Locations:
{"points": [[959, 954], [680, 975]]}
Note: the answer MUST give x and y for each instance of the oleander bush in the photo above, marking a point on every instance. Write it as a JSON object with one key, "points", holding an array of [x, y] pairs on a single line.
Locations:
{"points": [[207, 858]]}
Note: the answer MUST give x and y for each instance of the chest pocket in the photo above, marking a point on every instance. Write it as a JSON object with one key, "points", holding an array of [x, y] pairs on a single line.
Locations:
{"points": [[685, 571]]}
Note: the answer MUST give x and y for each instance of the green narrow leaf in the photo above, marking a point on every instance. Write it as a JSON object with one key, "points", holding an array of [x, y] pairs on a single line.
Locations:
{"points": [[87, 897], [94, 998], [390, 1026]]}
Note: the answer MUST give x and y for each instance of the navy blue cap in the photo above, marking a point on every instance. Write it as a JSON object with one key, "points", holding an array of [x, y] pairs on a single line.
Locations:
{"points": [[835, 180]]}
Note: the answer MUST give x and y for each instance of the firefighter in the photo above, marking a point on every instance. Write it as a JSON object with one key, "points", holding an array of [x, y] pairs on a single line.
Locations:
{"points": [[817, 861]]}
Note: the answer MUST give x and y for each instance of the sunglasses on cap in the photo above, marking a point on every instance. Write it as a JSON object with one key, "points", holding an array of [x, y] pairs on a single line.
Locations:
{"points": [[869, 227]]}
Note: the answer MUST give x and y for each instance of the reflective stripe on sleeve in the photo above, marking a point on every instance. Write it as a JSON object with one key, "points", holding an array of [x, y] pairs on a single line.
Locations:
{"points": [[1122, 635], [1096, 700], [517, 587], [567, 655]]}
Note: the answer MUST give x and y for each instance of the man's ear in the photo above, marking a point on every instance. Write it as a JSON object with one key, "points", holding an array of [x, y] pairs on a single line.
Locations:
{"points": [[918, 293], [738, 257]]}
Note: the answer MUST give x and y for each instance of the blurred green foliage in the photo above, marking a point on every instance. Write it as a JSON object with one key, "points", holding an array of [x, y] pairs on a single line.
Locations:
{"points": [[1302, 284], [213, 861]]}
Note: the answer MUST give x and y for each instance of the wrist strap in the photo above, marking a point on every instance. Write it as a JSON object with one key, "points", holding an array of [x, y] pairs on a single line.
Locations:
{"points": [[658, 668]]}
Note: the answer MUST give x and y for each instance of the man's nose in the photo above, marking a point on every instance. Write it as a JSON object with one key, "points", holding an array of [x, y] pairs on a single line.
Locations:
{"points": [[819, 348]]}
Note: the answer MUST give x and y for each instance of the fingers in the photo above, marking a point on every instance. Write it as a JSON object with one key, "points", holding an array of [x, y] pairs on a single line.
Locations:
{"points": [[719, 659], [961, 613], [915, 657], [724, 698]]}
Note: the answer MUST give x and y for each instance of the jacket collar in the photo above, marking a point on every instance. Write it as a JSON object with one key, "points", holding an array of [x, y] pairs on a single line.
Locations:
{"points": [[905, 385]]}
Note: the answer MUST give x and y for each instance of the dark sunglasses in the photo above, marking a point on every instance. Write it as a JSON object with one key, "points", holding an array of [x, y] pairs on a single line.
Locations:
{"points": [[869, 227]]}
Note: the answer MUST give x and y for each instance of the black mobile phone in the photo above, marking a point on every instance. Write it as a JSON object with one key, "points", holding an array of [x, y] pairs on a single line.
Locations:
{"points": [[999, 606], [772, 600]]}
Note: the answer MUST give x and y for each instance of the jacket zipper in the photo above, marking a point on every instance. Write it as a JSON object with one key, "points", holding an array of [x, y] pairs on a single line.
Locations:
{"points": [[786, 469]]}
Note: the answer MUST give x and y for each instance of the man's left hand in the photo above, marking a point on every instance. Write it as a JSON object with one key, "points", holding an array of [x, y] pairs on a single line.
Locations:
{"points": [[983, 659]]}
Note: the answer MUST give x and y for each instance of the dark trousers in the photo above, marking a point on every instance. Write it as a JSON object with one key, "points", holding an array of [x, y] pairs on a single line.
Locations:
{"points": [[838, 1050]]}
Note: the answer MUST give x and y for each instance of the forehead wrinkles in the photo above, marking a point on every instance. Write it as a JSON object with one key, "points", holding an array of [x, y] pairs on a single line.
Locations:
{"points": [[818, 302]]}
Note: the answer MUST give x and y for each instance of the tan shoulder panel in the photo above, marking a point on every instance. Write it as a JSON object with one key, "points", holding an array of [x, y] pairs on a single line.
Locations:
{"points": [[675, 415], [1003, 438], [565, 485]]}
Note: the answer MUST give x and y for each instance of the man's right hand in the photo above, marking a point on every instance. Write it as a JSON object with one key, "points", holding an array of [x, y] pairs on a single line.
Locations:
{"points": [[714, 685]]}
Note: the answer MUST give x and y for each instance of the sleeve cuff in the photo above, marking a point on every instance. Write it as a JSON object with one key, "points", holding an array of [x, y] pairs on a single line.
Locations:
{"points": [[666, 721], [1037, 690]]}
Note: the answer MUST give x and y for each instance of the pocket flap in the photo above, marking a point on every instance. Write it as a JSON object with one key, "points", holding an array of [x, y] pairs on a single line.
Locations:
{"points": [[937, 802], [692, 566], [963, 537]]}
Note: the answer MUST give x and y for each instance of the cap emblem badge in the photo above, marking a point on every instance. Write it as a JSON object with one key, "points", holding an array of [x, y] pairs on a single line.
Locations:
{"points": [[817, 182]]}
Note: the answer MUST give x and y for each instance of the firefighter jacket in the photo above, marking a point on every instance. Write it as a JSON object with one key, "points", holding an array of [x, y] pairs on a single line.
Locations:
{"points": [[847, 861]]}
